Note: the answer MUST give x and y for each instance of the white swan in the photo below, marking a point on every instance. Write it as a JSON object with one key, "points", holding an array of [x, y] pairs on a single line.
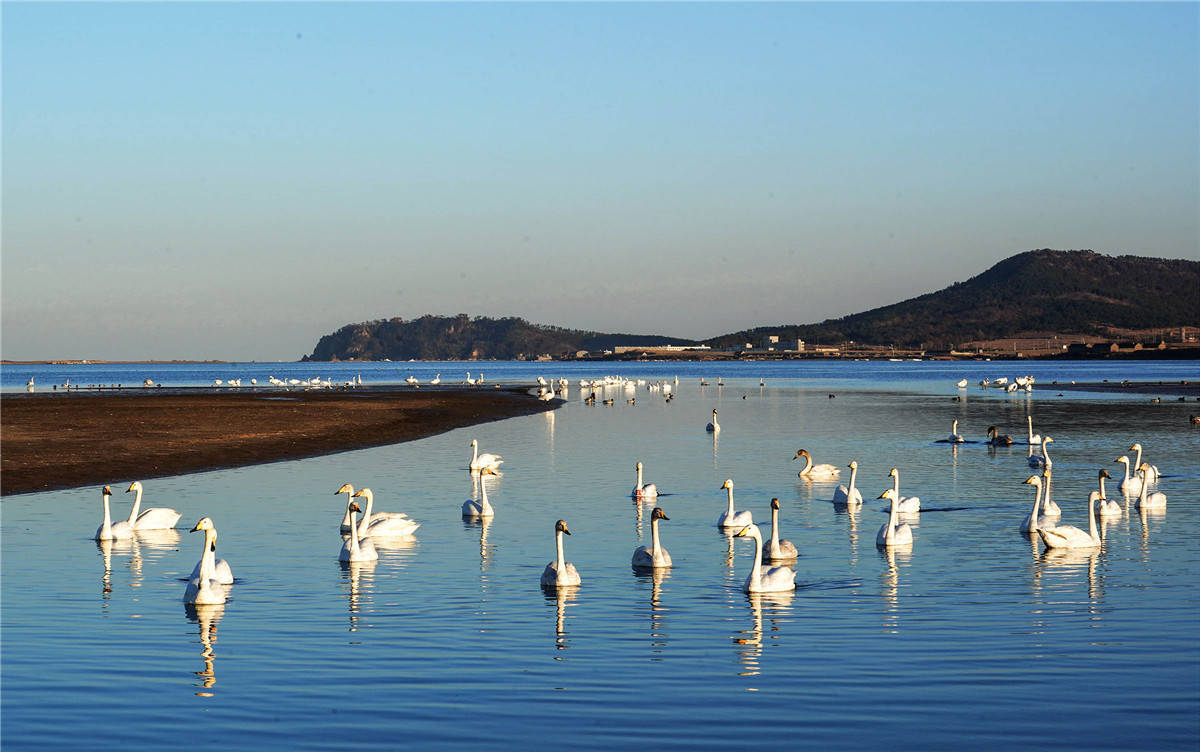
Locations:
{"points": [[730, 518], [109, 530], [1151, 475], [218, 569], [356, 548], [474, 510], [156, 518], [1069, 536], [815, 471], [655, 556], [1031, 437], [849, 496], [1131, 485], [893, 532], [1155, 500], [778, 549], [1032, 522], [383, 524], [962, 384], [1106, 508], [484, 463], [714, 426], [436, 380], [1049, 508], [955, 437], [1043, 459], [904, 504], [647, 491], [348, 519], [765, 580], [560, 573], [203, 587]]}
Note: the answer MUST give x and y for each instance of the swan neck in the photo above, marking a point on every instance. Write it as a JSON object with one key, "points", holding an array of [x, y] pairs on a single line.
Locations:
{"points": [[892, 521], [208, 566], [756, 571], [1092, 517], [1037, 503], [365, 522], [654, 547], [1137, 462], [850, 491], [896, 486], [560, 561], [729, 514], [137, 504], [807, 464], [639, 478], [106, 526], [1046, 492], [774, 529], [354, 533]]}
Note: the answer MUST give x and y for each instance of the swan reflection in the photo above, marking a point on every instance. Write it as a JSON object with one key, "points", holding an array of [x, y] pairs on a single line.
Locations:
{"points": [[106, 547], [749, 642], [893, 558], [207, 617], [562, 598], [361, 576], [658, 612]]}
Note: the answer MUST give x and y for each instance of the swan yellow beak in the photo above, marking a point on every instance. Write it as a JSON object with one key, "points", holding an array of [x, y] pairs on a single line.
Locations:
{"points": [[346, 488], [742, 532]]}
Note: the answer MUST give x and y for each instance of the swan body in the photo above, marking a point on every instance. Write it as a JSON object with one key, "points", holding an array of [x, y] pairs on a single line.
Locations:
{"points": [[714, 426], [1043, 459], [1106, 508], [436, 380], [995, 439], [904, 504], [765, 579], [356, 547], [155, 518], [205, 586], [1068, 536], [955, 437], [655, 556], [109, 530], [1151, 475], [383, 524], [849, 496], [484, 463], [730, 518], [962, 384], [893, 532], [815, 471], [473, 510], [1032, 522], [560, 572], [1147, 500], [778, 549], [1130, 485], [647, 491], [1031, 437]]}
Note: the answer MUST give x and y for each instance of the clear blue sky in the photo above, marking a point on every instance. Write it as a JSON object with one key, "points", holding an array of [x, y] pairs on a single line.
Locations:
{"points": [[230, 181]]}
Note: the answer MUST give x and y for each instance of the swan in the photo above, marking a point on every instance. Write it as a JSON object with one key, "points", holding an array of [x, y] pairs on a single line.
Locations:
{"points": [[1043, 459], [1068, 536], [955, 437], [356, 547], [1032, 522], [1155, 500], [218, 569], [108, 530], [648, 491], [1131, 485], [484, 463], [1107, 508], [849, 496], [995, 439], [730, 518], [903, 504], [203, 587], [383, 524], [436, 380], [411, 380], [1151, 470], [714, 426], [474, 510], [656, 556], [560, 573], [348, 520], [1032, 437], [814, 471], [778, 549], [962, 384], [156, 518], [1049, 508], [771, 579], [893, 532]]}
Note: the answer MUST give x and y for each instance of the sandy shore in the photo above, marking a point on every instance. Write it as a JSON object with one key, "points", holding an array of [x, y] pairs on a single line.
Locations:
{"points": [[54, 441]]}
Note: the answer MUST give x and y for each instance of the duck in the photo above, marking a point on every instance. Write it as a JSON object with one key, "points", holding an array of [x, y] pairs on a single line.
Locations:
{"points": [[761, 579], [730, 518], [995, 439], [893, 532], [1151, 475], [383, 524], [656, 556], [1068, 536], [955, 437], [1148, 500], [814, 471], [778, 549], [356, 547], [849, 496], [203, 587], [155, 518], [484, 463], [1032, 522], [1106, 508], [1130, 485], [560, 573], [474, 510], [903, 504], [713, 426], [109, 530], [640, 491]]}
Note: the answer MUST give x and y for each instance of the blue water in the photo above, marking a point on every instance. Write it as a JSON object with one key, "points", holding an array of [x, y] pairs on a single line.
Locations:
{"points": [[977, 637]]}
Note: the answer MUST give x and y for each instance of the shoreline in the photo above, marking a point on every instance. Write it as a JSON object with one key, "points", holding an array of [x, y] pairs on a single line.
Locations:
{"points": [[55, 441]]}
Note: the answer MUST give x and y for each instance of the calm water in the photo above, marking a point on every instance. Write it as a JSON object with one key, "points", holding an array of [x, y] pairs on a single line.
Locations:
{"points": [[976, 637]]}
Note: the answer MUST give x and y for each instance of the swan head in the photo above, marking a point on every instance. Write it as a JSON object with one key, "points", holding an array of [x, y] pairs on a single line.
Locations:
{"points": [[894, 472], [205, 523], [354, 507], [658, 514], [1144, 468], [1033, 480], [1047, 440], [1135, 448], [134, 486], [474, 443], [991, 431], [886, 494], [802, 453], [853, 465], [1123, 460], [638, 466], [748, 531], [346, 488], [106, 491], [1104, 474], [561, 527], [727, 484], [774, 504], [363, 492]]}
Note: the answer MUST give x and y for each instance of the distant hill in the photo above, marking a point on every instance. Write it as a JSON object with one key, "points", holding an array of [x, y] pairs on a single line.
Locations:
{"points": [[1075, 292], [463, 338]]}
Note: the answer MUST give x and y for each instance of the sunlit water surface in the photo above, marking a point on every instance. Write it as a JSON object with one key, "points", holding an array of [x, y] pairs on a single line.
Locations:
{"points": [[974, 637]]}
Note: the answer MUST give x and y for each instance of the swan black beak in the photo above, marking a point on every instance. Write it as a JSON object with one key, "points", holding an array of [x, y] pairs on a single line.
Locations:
{"points": [[196, 528]]}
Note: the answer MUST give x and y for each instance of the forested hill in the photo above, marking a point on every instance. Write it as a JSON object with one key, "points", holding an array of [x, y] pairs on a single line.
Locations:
{"points": [[1036, 291], [463, 338]]}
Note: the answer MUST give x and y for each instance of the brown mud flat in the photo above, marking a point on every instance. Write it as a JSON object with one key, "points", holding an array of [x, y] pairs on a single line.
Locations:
{"points": [[1153, 388], [55, 441]]}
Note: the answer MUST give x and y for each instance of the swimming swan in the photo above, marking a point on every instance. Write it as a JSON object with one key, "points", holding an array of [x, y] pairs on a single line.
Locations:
{"points": [[203, 587], [1043, 459], [777, 549], [484, 463], [560, 573], [1032, 437], [955, 437], [893, 532], [1151, 470], [1130, 485], [814, 471], [655, 556], [1106, 508], [383, 524], [474, 510], [356, 548], [714, 426], [730, 518], [1068, 536], [904, 504], [348, 519], [1049, 508], [995, 439], [765, 580], [218, 569], [157, 518], [1032, 522], [648, 491], [849, 496], [1155, 500], [109, 530]]}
